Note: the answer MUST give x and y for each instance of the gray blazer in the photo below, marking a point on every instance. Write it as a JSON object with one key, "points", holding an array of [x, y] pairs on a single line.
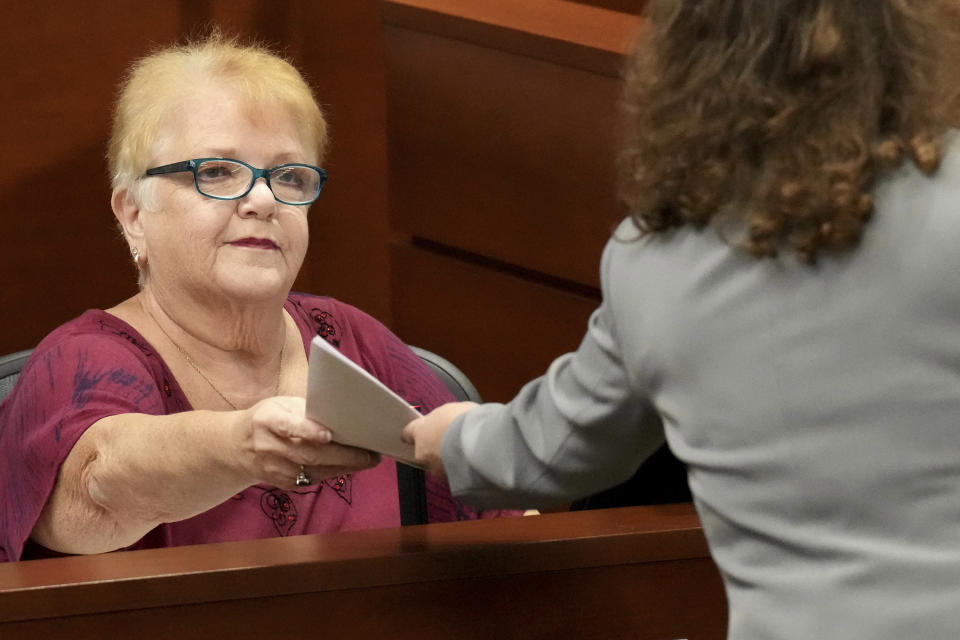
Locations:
{"points": [[817, 410]]}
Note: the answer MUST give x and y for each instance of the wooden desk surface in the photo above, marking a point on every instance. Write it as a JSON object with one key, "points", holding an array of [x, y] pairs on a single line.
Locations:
{"points": [[640, 572]]}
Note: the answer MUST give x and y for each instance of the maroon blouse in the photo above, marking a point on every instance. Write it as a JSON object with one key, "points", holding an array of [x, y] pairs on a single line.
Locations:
{"points": [[97, 366]]}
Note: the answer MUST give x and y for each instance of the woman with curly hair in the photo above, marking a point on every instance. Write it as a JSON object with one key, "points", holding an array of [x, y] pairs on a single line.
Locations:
{"points": [[782, 307]]}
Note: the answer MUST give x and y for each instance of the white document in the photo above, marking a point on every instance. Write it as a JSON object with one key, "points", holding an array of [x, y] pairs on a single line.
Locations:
{"points": [[357, 408]]}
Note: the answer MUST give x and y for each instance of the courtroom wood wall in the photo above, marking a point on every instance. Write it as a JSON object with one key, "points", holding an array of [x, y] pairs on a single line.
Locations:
{"points": [[503, 134]]}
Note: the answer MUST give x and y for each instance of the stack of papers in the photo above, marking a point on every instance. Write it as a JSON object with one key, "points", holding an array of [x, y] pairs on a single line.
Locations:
{"points": [[357, 408]]}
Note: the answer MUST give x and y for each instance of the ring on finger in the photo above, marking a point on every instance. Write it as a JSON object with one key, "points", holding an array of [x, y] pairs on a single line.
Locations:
{"points": [[303, 478]]}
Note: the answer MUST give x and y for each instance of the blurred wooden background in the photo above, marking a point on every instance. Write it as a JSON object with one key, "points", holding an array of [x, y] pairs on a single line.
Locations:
{"points": [[471, 185]]}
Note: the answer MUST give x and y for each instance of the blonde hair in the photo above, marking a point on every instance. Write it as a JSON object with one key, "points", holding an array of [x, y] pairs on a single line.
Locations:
{"points": [[787, 111], [156, 85]]}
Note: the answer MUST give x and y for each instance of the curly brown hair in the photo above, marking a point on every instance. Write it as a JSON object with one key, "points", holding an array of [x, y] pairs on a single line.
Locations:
{"points": [[784, 112]]}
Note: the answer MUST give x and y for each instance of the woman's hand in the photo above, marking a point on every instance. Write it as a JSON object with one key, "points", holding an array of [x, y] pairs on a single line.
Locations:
{"points": [[426, 435], [279, 438]]}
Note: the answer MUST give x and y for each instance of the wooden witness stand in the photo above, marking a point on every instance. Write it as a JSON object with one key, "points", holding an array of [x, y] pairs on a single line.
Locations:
{"points": [[639, 572]]}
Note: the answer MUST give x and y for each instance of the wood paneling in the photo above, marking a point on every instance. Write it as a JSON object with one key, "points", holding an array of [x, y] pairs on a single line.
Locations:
{"points": [[641, 573], [501, 329], [503, 132], [625, 6], [569, 33], [61, 252], [500, 154]]}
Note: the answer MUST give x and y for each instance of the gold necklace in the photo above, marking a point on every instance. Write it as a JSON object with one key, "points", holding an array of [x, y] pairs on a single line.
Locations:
{"points": [[186, 356]]}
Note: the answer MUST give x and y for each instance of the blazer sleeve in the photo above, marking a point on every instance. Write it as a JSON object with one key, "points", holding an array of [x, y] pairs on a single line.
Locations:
{"points": [[578, 429]]}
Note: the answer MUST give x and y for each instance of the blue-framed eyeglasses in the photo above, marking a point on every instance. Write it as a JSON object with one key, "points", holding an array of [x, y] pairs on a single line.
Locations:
{"points": [[228, 179]]}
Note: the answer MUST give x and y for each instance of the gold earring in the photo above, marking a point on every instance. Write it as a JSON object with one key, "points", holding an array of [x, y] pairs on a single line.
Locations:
{"points": [[136, 256]]}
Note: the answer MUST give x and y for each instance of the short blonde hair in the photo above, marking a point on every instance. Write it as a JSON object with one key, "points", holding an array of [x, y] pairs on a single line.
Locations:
{"points": [[156, 85]]}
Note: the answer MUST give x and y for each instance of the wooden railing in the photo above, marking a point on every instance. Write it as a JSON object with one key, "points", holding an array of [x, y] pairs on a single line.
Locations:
{"points": [[641, 573]]}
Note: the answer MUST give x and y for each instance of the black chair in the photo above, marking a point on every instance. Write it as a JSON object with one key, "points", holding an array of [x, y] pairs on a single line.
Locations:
{"points": [[10, 367], [455, 380], [410, 480]]}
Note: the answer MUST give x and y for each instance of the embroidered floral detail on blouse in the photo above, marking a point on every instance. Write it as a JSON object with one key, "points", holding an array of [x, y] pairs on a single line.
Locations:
{"points": [[327, 326], [343, 486], [278, 506]]}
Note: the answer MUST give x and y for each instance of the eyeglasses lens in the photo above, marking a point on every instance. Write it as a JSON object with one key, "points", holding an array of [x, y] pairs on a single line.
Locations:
{"points": [[295, 184], [222, 178], [292, 184]]}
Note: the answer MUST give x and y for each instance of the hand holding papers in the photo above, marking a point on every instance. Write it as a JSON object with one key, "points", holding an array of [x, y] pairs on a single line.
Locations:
{"points": [[357, 408]]}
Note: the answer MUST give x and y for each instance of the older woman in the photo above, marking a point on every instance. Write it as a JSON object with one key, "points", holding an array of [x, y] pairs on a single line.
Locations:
{"points": [[177, 416], [783, 307]]}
